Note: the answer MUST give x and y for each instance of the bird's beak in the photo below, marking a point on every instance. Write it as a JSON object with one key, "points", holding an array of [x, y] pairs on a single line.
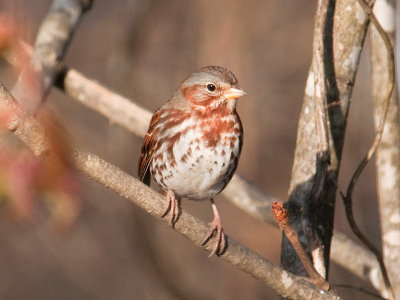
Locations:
{"points": [[233, 93]]}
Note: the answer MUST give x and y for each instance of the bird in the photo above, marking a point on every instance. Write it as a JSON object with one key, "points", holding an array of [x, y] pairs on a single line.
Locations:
{"points": [[193, 144]]}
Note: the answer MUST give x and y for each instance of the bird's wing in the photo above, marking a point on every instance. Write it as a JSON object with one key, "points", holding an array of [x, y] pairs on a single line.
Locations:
{"points": [[148, 149]]}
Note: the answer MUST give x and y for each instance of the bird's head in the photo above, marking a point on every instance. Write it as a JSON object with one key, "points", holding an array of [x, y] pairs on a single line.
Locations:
{"points": [[211, 87]]}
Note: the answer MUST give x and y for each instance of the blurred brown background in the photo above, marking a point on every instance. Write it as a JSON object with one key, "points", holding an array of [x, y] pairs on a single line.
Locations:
{"points": [[143, 49]]}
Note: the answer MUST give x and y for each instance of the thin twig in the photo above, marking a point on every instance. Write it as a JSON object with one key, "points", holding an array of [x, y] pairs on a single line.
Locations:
{"points": [[347, 199]]}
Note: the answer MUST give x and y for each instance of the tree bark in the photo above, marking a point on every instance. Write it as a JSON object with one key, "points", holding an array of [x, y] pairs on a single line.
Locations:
{"points": [[347, 23]]}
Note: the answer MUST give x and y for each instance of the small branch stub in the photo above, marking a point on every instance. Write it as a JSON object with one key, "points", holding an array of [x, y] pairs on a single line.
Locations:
{"points": [[280, 214], [282, 218]]}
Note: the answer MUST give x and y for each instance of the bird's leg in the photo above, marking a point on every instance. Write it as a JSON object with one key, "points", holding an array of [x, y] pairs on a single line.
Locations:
{"points": [[172, 207], [216, 226]]}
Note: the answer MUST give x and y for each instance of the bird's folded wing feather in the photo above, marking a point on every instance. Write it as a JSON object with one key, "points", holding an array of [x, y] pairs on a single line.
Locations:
{"points": [[148, 149]]}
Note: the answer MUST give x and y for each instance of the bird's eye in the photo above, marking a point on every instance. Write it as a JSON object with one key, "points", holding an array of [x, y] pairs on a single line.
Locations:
{"points": [[211, 87]]}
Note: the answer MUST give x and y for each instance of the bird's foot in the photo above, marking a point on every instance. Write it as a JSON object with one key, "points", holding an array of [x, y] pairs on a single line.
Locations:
{"points": [[216, 226], [172, 207]]}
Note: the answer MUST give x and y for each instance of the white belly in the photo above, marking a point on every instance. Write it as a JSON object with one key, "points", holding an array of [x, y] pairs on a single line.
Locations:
{"points": [[194, 170]]}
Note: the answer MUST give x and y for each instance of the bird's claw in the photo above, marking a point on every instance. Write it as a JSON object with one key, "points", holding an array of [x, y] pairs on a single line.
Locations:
{"points": [[220, 244], [172, 207]]}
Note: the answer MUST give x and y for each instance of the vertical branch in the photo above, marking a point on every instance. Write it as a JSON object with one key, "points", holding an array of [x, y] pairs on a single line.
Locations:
{"points": [[316, 244], [388, 153], [346, 23]]}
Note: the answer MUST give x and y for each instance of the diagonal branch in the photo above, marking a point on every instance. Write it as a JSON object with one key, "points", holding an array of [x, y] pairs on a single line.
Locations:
{"points": [[285, 283], [119, 110], [52, 40], [356, 259]]}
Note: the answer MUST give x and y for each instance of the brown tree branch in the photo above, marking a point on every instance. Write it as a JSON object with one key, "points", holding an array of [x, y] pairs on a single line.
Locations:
{"points": [[285, 283], [21, 124], [52, 40], [119, 110]]}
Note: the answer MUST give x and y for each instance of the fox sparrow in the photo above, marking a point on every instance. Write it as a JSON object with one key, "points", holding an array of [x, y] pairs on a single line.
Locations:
{"points": [[193, 143]]}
